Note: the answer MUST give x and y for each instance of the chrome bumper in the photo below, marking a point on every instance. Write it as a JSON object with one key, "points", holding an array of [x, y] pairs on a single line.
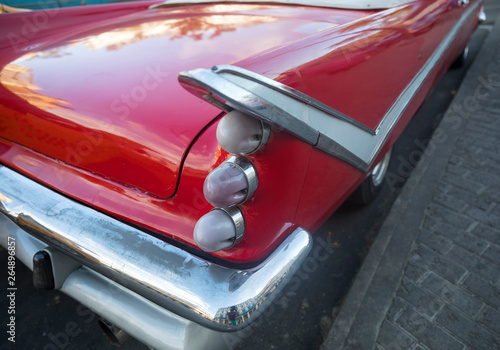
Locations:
{"points": [[149, 323], [159, 273]]}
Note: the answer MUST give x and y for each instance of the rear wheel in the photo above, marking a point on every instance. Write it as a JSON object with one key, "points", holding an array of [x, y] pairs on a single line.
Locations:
{"points": [[373, 183], [462, 59]]}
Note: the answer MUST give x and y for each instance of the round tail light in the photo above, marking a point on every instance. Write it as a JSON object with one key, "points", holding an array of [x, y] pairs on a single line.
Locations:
{"points": [[241, 134], [231, 183], [219, 229]]}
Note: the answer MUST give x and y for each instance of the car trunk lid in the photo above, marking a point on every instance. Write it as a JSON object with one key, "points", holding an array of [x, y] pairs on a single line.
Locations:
{"points": [[107, 100]]}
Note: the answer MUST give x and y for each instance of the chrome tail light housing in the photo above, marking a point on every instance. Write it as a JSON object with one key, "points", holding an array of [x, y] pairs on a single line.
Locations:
{"points": [[231, 183], [221, 228]]}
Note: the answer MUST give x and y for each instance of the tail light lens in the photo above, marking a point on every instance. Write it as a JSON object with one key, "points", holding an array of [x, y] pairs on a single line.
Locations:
{"points": [[219, 229], [232, 183], [241, 134]]}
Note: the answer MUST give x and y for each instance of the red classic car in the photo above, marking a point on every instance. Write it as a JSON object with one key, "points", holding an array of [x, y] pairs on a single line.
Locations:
{"points": [[164, 163]]}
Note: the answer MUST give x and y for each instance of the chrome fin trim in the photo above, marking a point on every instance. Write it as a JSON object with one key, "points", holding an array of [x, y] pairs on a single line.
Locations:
{"points": [[229, 87], [291, 92], [279, 105], [168, 276], [227, 95]]}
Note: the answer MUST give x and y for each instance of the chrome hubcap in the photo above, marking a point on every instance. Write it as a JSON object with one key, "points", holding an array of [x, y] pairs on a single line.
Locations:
{"points": [[378, 173], [466, 52]]}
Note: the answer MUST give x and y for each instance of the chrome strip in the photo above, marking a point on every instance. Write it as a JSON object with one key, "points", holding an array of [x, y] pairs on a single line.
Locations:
{"points": [[227, 95], [289, 92], [247, 168], [346, 4], [238, 220], [180, 282], [392, 116], [230, 87]]}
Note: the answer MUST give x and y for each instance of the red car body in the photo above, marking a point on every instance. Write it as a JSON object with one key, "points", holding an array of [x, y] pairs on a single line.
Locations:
{"points": [[91, 105], [124, 124]]}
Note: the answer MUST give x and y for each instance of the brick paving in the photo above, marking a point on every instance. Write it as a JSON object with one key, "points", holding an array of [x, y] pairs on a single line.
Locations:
{"points": [[449, 296]]}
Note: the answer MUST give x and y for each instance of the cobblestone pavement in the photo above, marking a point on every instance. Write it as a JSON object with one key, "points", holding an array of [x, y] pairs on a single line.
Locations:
{"points": [[449, 297], [448, 294]]}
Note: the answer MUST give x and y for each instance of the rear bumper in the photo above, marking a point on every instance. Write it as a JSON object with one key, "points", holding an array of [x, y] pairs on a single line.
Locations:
{"points": [[91, 251]]}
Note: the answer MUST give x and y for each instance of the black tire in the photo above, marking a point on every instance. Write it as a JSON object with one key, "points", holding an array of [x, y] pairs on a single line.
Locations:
{"points": [[372, 185], [461, 59]]}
